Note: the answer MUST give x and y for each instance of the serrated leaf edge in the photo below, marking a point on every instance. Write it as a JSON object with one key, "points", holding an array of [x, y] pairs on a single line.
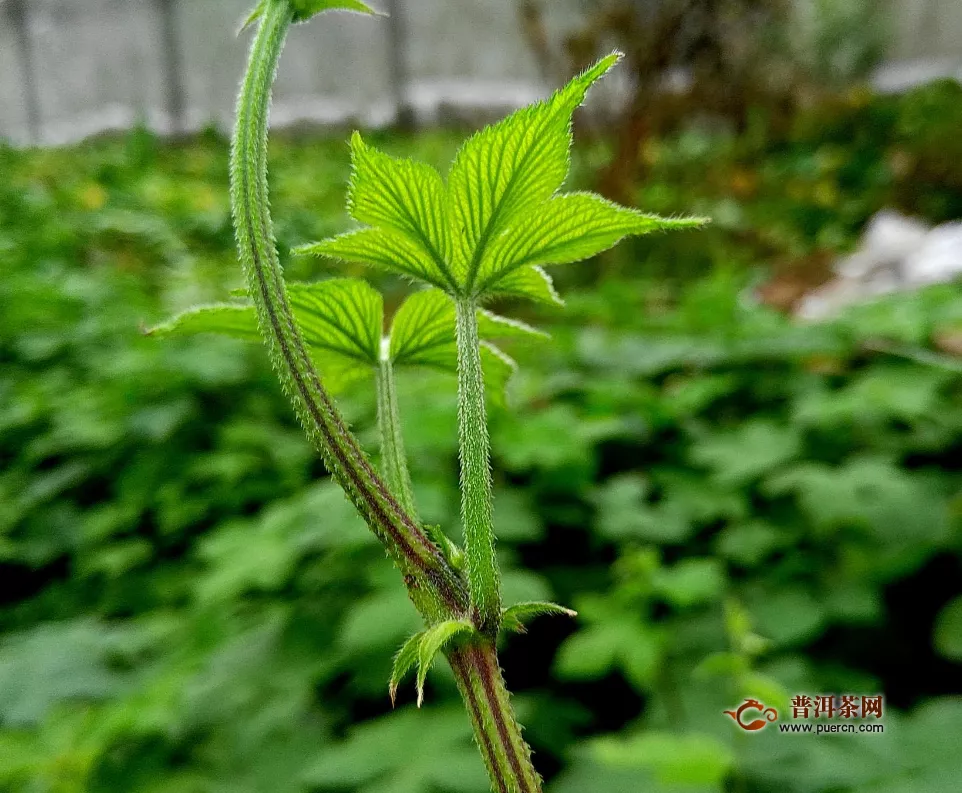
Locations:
{"points": [[433, 640], [405, 658]]}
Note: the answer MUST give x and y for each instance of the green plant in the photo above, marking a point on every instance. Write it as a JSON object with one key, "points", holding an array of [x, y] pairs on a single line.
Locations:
{"points": [[192, 605], [485, 232]]}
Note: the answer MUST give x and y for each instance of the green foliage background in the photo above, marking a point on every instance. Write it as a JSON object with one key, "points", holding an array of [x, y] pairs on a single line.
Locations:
{"points": [[736, 505]]}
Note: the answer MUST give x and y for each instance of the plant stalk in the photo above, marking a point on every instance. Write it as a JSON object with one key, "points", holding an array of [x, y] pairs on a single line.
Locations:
{"points": [[393, 459], [496, 730], [484, 579], [434, 585]]}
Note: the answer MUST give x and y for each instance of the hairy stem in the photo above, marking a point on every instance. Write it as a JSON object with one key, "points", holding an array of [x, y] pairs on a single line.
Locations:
{"points": [[434, 585], [484, 580], [393, 460], [496, 729]]}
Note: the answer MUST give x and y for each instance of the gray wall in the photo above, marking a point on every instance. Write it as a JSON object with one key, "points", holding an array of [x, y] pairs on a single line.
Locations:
{"points": [[71, 68], [102, 64], [927, 29]]}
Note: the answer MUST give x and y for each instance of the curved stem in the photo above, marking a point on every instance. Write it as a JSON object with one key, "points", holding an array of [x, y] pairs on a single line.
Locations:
{"points": [[475, 451], [434, 585]]}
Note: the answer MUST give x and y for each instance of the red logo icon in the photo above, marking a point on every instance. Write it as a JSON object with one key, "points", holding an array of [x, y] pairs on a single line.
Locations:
{"points": [[769, 714]]}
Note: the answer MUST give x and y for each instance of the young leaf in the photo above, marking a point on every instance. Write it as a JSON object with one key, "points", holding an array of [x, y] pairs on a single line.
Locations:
{"points": [[433, 640], [514, 617], [341, 319], [498, 219], [494, 326], [235, 320], [305, 9], [403, 195], [566, 228], [404, 660], [422, 334], [344, 315], [513, 165], [387, 249], [530, 283], [450, 548]]}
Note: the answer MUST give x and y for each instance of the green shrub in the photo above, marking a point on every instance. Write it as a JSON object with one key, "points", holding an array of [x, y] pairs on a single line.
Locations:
{"points": [[736, 505]]}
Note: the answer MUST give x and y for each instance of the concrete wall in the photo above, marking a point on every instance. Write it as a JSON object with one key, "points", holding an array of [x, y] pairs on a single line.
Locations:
{"points": [[70, 68]]}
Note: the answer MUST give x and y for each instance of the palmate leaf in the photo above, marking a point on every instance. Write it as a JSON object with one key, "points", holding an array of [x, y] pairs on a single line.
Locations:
{"points": [[342, 321], [499, 219], [514, 617], [565, 228], [530, 283], [385, 248], [422, 334], [342, 315], [512, 166], [404, 195], [425, 321], [227, 319]]}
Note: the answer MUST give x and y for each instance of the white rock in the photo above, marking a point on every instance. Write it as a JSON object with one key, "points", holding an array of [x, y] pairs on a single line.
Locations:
{"points": [[889, 238], [897, 254], [938, 260]]}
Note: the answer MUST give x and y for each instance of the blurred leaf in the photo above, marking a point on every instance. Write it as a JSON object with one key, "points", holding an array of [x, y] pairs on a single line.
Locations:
{"points": [[691, 581], [901, 509], [53, 664], [754, 449], [379, 620], [693, 759], [788, 616], [515, 517], [550, 439], [599, 649], [948, 631], [749, 543], [406, 752]]}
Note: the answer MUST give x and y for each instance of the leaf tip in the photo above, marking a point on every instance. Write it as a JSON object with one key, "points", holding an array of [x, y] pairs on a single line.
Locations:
{"points": [[686, 222], [252, 17], [358, 146], [601, 67]]}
